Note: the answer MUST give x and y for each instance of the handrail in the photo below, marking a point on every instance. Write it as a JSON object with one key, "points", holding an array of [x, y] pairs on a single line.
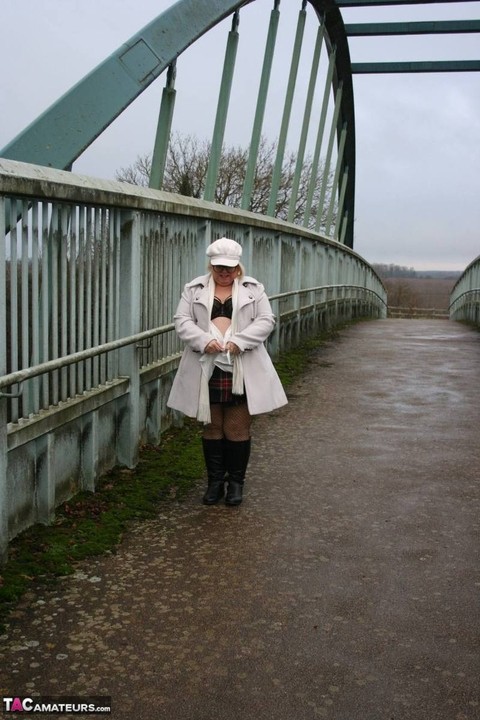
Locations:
{"points": [[466, 292], [290, 293], [20, 376]]}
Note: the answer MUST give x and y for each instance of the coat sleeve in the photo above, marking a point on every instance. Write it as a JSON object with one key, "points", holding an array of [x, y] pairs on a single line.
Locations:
{"points": [[186, 326], [262, 324]]}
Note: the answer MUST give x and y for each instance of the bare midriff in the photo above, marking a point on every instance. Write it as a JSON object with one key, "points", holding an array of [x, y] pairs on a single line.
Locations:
{"points": [[222, 323]]}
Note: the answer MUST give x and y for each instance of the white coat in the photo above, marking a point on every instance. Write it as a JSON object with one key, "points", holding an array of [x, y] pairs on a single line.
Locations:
{"points": [[255, 322]]}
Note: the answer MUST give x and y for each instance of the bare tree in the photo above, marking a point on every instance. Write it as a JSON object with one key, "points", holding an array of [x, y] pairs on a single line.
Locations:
{"points": [[400, 294], [186, 170]]}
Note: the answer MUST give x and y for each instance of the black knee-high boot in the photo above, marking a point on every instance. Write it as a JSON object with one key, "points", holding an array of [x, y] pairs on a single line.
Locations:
{"points": [[237, 454], [213, 451]]}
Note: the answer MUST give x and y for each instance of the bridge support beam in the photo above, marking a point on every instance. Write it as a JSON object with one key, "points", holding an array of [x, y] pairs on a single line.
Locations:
{"points": [[130, 282], [164, 126]]}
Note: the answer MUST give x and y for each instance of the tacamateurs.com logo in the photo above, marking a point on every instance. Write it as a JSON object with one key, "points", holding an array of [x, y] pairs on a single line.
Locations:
{"points": [[57, 705]]}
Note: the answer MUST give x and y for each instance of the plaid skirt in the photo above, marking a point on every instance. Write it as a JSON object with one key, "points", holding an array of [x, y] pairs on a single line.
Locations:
{"points": [[220, 389]]}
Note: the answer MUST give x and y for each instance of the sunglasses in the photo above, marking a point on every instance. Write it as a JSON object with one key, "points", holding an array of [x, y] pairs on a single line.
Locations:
{"points": [[225, 268]]}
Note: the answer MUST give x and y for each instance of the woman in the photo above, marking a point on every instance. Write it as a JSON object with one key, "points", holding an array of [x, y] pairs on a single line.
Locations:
{"points": [[225, 375]]}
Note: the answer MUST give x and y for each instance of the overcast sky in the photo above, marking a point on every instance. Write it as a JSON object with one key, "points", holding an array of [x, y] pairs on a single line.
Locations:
{"points": [[417, 135]]}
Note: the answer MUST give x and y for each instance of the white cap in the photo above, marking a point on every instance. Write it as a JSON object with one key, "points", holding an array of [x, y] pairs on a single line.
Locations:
{"points": [[224, 252]]}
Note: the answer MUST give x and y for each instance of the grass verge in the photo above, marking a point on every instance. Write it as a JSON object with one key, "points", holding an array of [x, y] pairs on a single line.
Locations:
{"points": [[91, 524]]}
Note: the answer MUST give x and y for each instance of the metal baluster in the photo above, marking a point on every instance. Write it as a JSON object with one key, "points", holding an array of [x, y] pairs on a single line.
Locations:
{"points": [[63, 318], [54, 310], [35, 305], [89, 249], [45, 303], [25, 303], [13, 301], [103, 290]]}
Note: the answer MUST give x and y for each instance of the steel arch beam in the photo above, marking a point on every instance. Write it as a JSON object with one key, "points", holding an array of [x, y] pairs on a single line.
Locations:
{"points": [[336, 37], [65, 130]]}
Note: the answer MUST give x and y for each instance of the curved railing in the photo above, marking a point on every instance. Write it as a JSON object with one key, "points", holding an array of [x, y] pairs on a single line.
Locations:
{"points": [[91, 274], [465, 296]]}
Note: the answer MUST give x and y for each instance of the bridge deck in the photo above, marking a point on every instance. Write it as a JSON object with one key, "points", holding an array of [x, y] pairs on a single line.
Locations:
{"points": [[345, 587]]}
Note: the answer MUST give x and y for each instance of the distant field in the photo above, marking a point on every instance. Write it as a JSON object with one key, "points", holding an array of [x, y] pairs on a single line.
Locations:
{"points": [[431, 293]]}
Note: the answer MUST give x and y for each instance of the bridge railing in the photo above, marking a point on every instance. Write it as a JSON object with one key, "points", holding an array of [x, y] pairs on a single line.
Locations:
{"points": [[90, 276], [395, 311], [465, 296]]}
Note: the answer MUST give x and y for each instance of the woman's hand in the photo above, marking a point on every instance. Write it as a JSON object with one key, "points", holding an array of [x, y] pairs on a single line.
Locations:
{"points": [[232, 348], [213, 347]]}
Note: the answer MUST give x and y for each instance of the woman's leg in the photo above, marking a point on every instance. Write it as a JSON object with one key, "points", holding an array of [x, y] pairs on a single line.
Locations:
{"points": [[213, 452], [236, 427], [214, 429]]}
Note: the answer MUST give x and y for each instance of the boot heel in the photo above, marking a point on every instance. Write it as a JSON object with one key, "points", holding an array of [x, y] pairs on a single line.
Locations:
{"points": [[214, 493], [234, 493]]}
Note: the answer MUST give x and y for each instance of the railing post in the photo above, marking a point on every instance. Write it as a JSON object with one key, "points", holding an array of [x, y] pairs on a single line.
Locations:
{"points": [[130, 283], [3, 481], [298, 285], [274, 339], [204, 240], [3, 400]]}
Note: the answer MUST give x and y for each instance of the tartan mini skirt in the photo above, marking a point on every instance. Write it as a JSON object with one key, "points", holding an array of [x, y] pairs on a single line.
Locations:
{"points": [[220, 389]]}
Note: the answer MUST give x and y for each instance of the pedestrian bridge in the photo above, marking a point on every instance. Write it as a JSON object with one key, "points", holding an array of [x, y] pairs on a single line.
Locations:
{"points": [[92, 269], [344, 588]]}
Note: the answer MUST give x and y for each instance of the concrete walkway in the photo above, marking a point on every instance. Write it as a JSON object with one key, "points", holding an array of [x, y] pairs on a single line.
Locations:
{"points": [[345, 587]]}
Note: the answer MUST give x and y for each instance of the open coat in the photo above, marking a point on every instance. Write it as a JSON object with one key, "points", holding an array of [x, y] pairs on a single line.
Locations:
{"points": [[255, 322]]}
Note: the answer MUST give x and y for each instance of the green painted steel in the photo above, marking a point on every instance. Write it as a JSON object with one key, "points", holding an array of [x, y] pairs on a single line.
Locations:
{"points": [[328, 157], [318, 143], [61, 134], [337, 41], [336, 180], [435, 66], [306, 122], [341, 202], [282, 140], [222, 110], [71, 124], [413, 28], [162, 139], [261, 105]]}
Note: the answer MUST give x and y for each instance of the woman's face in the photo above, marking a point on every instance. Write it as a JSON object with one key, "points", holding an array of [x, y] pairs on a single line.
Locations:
{"points": [[223, 275]]}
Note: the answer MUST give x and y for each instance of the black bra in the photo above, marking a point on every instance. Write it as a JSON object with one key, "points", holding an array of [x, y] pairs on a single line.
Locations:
{"points": [[220, 309]]}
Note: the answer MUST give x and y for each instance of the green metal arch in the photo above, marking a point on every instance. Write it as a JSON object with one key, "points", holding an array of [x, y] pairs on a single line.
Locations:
{"points": [[336, 38], [67, 128]]}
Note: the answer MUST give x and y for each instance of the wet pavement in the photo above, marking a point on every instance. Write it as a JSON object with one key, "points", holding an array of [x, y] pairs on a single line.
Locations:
{"points": [[346, 586]]}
